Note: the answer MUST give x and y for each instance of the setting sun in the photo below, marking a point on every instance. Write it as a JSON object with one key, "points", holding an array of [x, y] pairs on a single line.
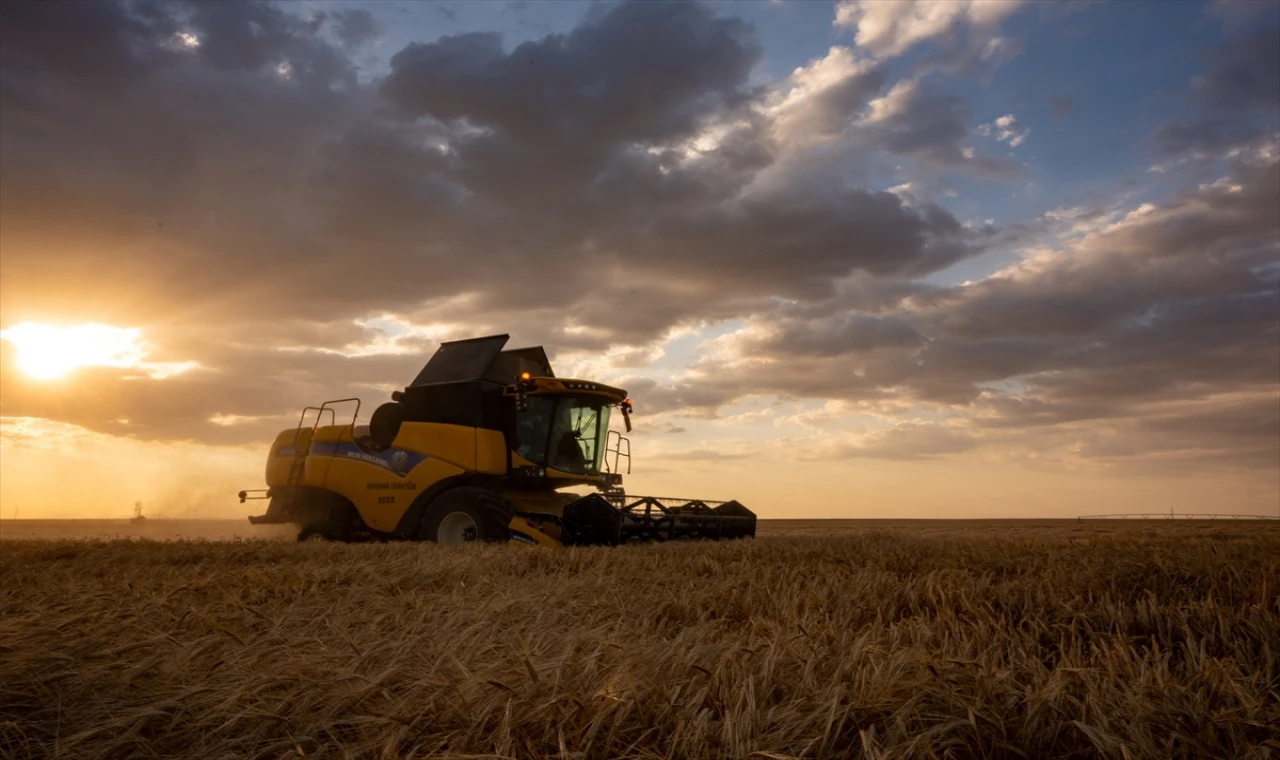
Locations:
{"points": [[47, 352]]}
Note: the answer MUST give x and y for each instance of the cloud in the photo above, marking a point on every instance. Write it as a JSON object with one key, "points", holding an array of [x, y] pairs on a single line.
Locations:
{"points": [[1006, 129], [224, 191], [903, 442], [312, 234], [355, 27], [821, 99], [1184, 141], [1236, 13], [1169, 312], [911, 120], [593, 88], [891, 29], [1244, 72], [1236, 99]]}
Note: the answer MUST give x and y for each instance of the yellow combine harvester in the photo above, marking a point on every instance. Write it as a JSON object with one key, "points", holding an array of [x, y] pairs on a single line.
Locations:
{"points": [[477, 448]]}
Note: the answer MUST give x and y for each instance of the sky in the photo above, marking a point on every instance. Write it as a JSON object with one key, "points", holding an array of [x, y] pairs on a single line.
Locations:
{"points": [[851, 259]]}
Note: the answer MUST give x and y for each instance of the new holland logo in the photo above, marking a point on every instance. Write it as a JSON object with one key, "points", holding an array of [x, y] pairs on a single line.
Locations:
{"points": [[363, 457], [398, 460]]}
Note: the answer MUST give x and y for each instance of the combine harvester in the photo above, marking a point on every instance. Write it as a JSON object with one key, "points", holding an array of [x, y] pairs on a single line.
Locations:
{"points": [[477, 448]]}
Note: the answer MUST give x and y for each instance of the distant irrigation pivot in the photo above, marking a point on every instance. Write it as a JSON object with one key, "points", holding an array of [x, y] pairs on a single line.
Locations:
{"points": [[1171, 515], [1177, 516]]}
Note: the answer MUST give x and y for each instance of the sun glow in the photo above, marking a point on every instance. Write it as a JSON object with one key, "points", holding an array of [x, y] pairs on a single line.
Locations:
{"points": [[47, 352]]}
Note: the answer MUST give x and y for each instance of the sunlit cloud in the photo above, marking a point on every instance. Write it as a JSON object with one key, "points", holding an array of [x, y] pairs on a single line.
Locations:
{"points": [[227, 420], [1006, 129], [388, 334], [181, 42], [49, 352]]}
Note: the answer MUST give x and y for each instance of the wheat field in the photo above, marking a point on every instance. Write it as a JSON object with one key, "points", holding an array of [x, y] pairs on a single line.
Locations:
{"points": [[887, 642]]}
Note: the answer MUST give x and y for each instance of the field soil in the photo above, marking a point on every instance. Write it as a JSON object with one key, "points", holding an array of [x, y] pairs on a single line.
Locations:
{"points": [[818, 639]]}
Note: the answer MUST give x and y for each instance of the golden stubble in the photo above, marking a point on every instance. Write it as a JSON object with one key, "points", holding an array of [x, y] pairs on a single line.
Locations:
{"points": [[1064, 640]]}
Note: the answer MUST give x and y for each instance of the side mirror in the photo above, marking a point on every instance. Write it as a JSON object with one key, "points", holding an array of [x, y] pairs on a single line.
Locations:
{"points": [[626, 414]]}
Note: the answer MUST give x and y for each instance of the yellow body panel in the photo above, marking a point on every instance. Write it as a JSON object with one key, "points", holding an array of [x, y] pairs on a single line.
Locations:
{"points": [[332, 433], [382, 485], [279, 461], [379, 495], [542, 502], [454, 444], [491, 451], [534, 533]]}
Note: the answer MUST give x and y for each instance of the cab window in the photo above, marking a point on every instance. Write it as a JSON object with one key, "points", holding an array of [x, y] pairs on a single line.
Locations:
{"points": [[533, 428], [576, 435], [563, 433]]}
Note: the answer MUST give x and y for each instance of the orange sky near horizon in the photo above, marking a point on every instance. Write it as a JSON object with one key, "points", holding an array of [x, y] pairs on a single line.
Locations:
{"points": [[59, 471]]}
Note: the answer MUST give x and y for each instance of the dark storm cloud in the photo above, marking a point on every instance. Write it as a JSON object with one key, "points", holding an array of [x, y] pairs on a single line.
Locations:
{"points": [[803, 243], [250, 172], [1177, 306], [598, 85], [1204, 138], [220, 174], [916, 121], [927, 121], [355, 27], [1237, 99], [97, 44], [220, 167], [1234, 433], [1244, 72]]}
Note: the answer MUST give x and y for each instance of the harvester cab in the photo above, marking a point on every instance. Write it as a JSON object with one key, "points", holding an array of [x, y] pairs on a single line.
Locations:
{"points": [[478, 448]]}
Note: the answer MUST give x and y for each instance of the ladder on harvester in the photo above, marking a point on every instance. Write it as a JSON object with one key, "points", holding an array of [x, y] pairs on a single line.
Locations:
{"points": [[298, 467]]}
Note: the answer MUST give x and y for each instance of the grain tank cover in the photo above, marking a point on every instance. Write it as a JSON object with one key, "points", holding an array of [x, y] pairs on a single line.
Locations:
{"points": [[464, 380], [508, 365], [458, 361], [464, 361]]}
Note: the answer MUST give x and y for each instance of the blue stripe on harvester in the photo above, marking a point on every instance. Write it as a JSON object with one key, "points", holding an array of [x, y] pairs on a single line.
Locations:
{"points": [[399, 461]]}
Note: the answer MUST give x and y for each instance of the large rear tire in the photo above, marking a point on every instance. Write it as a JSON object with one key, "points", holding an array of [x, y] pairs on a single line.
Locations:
{"points": [[467, 514]]}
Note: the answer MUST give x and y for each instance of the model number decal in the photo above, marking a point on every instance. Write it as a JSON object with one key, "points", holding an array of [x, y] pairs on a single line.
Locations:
{"points": [[386, 500], [407, 485]]}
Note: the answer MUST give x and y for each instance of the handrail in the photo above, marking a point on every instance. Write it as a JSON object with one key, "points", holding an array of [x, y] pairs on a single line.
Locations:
{"points": [[319, 410], [354, 414], [617, 451], [351, 432]]}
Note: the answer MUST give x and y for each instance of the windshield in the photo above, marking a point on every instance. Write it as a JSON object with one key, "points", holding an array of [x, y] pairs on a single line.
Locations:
{"points": [[563, 433]]}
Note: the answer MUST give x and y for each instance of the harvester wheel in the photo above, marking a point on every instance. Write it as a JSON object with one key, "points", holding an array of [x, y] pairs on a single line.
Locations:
{"points": [[467, 514], [322, 531]]}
